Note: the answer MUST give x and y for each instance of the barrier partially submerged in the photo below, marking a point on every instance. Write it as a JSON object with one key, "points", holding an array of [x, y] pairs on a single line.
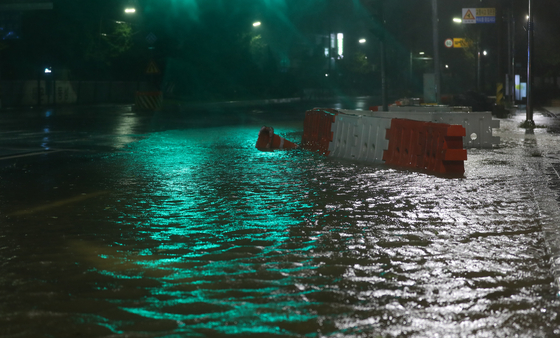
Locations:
{"points": [[435, 147], [425, 139], [419, 145], [478, 125]]}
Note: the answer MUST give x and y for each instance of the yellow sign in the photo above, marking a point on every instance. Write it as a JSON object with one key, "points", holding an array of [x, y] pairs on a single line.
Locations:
{"points": [[485, 12], [460, 43], [152, 68]]}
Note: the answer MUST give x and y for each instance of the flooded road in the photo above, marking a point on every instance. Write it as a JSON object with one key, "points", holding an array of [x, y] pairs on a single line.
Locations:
{"points": [[116, 223]]}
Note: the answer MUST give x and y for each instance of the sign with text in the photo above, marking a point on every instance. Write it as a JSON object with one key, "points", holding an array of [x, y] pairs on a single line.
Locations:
{"points": [[460, 43], [479, 15]]}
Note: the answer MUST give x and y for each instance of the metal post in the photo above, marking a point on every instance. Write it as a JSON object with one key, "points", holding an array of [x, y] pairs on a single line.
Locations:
{"points": [[383, 63], [436, 50], [410, 74], [478, 67], [511, 58], [383, 77], [530, 27], [39, 89]]}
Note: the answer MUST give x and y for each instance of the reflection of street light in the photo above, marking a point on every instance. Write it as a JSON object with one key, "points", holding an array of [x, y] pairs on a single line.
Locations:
{"points": [[256, 24]]}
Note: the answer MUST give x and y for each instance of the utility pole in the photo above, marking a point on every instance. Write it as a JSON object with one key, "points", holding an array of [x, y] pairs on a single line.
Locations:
{"points": [[382, 46], [379, 31], [511, 56], [478, 65], [529, 120], [435, 30]]}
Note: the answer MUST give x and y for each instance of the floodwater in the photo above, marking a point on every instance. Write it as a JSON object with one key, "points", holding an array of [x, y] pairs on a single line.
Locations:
{"points": [[174, 225]]}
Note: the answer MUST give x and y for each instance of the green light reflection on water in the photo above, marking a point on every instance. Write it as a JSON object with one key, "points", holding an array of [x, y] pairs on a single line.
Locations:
{"points": [[213, 216], [218, 238]]}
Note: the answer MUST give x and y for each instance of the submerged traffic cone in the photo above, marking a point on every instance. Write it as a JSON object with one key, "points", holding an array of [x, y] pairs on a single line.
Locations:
{"points": [[269, 141]]}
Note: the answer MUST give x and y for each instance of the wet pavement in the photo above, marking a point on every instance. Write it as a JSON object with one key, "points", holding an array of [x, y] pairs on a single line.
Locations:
{"points": [[120, 223]]}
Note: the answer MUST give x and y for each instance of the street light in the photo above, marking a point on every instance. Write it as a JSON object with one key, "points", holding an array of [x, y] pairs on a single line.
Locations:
{"points": [[362, 41], [130, 10], [457, 20], [256, 24]]}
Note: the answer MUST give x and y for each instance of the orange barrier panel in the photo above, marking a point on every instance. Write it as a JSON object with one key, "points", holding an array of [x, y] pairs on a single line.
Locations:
{"points": [[435, 147], [317, 132], [269, 141]]}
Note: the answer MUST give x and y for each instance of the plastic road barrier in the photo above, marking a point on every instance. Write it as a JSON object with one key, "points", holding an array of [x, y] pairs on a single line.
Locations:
{"points": [[478, 125], [267, 140], [317, 130], [359, 138], [435, 147], [418, 145]]}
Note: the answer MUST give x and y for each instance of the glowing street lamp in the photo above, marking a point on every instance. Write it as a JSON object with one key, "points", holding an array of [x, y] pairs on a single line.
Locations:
{"points": [[457, 20], [362, 41], [256, 24], [130, 10]]}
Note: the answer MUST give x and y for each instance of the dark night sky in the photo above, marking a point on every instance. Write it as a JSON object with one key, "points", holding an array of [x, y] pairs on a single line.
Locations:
{"points": [[202, 31]]}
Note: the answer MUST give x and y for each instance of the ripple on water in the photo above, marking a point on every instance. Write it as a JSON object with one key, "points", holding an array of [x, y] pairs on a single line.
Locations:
{"points": [[243, 242]]}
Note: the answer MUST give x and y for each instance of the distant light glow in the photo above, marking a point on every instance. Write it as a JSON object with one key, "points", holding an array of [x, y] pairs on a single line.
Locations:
{"points": [[256, 24], [48, 70], [130, 10], [326, 75], [326, 52], [446, 66], [421, 53], [362, 41], [485, 53], [457, 20], [340, 43]]}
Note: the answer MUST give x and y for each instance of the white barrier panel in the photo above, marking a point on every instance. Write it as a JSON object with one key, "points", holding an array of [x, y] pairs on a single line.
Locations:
{"points": [[63, 93], [478, 125], [431, 108], [359, 138]]}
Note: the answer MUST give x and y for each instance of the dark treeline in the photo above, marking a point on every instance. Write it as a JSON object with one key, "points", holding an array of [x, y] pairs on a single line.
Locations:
{"points": [[209, 49]]}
